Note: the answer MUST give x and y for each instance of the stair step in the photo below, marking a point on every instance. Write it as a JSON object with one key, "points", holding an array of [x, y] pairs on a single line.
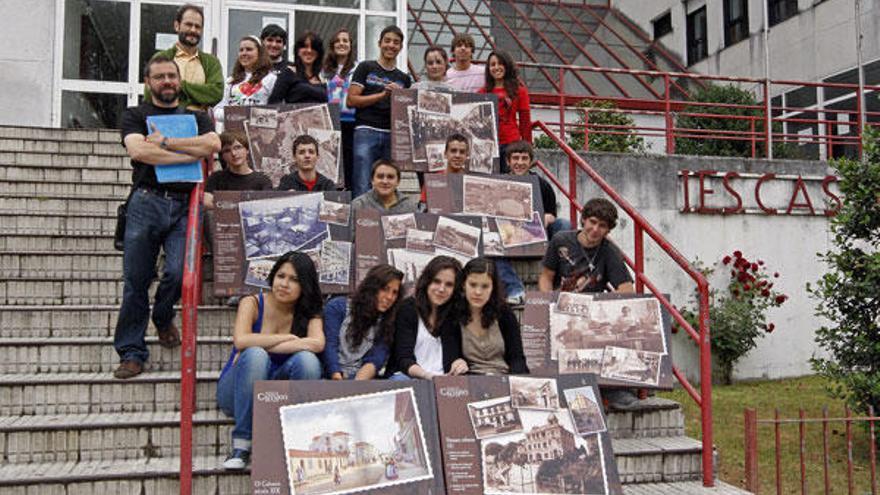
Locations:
{"points": [[109, 173], [78, 243], [26, 223], [46, 264], [661, 459], [95, 321], [67, 135], [84, 393], [97, 355], [105, 156], [660, 418], [682, 488], [43, 188], [59, 205], [101, 289], [149, 476]]}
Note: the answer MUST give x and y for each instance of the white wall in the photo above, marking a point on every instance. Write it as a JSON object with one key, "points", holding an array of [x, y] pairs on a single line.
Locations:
{"points": [[788, 244], [26, 62], [818, 42]]}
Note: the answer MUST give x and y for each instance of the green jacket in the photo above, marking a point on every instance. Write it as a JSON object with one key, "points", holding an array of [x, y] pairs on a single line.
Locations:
{"points": [[207, 94]]}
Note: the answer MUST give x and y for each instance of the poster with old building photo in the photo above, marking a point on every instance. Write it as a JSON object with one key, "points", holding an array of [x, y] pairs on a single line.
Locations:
{"points": [[321, 437], [523, 450], [510, 204], [253, 228], [271, 130], [423, 119]]}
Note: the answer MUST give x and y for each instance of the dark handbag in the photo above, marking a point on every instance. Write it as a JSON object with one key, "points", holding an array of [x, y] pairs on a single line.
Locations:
{"points": [[119, 233]]}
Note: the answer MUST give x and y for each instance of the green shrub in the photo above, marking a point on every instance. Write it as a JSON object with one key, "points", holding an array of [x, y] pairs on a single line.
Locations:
{"points": [[601, 113]]}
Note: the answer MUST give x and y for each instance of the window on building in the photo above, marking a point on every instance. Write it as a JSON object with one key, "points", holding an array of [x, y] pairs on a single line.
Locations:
{"points": [[736, 21], [781, 10], [662, 25], [697, 42]]}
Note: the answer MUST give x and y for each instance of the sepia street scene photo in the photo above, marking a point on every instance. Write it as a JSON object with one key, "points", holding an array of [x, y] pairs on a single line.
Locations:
{"points": [[395, 226], [620, 363], [353, 444], [456, 236], [335, 262], [497, 198], [586, 410], [494, 417], [515, 233], [335, 213], [630, 323], [537, 393], [580, 361]]}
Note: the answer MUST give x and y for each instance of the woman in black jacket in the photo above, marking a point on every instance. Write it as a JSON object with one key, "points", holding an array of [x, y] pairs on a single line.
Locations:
{"points": [[427, 342], [490, 333], [302, 83]]}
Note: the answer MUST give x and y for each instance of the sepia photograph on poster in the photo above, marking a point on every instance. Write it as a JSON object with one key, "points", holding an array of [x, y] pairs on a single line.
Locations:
{"points": [[252, 228], [537, 393], [492, 245], [329, 153], [629, 365], [335, 262], [580, 361], [353, 444], [585, 409], [436, 157], [514, 233], [634, 324], [423, 119], [458, 237], [494, 417], [396, 226], [271, 130], [574, 304], [497, 198], [420, 240], [335, 213], [434, 102]]}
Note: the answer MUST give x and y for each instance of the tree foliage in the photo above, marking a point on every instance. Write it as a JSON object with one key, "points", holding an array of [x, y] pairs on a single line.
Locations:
{"points": [[849, 292]]}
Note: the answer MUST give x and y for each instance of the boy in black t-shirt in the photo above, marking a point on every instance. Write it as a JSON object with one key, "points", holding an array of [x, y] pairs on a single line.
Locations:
{"points": [[584, 260], [237, 174], [305, 177], [520, 158], [370, 93]]}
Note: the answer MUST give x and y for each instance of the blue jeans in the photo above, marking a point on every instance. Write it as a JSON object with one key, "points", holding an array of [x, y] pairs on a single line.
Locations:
{"points": [[235, 390], [512, 284], [369, 145], [152, 222]]}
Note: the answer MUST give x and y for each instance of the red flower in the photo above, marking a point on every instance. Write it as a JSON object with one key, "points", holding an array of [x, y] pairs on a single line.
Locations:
{"points": [[737, 254], [743, 278], [781, 298], [770, 285], [776, 275], [765, 293], [762, 283], [732, 273], [754, 267], [761, 262], [735, 293], [726, 260], [747, 287], [770, 328]]}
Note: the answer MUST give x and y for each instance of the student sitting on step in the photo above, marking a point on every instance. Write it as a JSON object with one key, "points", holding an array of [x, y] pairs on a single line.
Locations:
{"points": [[305, 177], [359, 329], [490, 335], [237, 174], [384, 196], [277, 336]]}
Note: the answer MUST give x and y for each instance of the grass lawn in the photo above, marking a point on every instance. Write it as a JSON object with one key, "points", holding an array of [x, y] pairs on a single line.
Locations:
{"points": [[788, 396]]}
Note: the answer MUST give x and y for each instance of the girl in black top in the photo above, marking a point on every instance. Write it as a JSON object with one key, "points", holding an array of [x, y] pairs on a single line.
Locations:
{"points": [[427, 342], [491, 341], [302, 83]]}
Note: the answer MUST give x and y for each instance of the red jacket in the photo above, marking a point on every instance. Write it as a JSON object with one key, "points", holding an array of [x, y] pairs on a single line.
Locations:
{"points": [[509, 129]]}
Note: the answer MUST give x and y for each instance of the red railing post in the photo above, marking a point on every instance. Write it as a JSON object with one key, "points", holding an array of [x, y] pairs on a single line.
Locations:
{"points": [[751, 449], [586, 130], [191, 291], [754, 141], [639, 247], [706, 386], [667, 111]]}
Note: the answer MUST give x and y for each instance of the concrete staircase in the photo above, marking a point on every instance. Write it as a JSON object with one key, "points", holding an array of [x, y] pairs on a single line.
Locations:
{"points": [[67, 427]]}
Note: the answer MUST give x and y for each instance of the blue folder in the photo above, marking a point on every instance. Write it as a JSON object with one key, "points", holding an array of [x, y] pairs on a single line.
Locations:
{"points": [[176, 126]]}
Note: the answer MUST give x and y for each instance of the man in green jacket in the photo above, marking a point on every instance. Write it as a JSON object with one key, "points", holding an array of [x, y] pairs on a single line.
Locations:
{"points": [[201, 74]]}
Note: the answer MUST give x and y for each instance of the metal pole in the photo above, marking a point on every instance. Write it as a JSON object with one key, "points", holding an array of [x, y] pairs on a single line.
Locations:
{"points": [[861, 96], [767, 117]]}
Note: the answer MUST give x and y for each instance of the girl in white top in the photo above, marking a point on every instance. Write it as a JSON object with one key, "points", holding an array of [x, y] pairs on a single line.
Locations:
{"points": [[252, 79], [436, 64]]}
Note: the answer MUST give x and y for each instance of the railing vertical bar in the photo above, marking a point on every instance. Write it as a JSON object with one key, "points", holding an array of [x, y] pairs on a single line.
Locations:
{"points": [[849, 452], [754, 141], [706, 386], [751, 449], [873, 451], [802, 438], [768, 121], [639, 246], [667, 113], [778, 446], [825, 460]]}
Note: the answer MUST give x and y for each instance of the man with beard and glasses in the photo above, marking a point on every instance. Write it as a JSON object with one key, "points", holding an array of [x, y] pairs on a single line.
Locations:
{"points": [[201, 74], [156, 216]]}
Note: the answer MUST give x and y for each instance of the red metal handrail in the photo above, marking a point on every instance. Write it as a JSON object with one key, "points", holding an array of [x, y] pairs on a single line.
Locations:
{"points": [[191, 291], [703, 398]]}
